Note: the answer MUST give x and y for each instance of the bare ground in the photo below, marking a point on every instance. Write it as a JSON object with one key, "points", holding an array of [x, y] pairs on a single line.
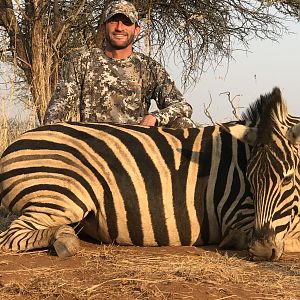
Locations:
{"points": [[114, 272]]}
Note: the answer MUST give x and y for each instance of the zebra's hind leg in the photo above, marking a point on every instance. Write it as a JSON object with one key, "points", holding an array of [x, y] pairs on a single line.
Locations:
{"points": [[28, 233]]}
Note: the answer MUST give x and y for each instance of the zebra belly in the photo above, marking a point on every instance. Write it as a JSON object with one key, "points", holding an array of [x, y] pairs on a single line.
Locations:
{"points": [[124, 228]]}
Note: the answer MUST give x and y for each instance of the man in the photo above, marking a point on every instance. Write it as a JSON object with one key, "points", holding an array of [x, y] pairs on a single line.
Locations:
{"points": [[117, 84]]}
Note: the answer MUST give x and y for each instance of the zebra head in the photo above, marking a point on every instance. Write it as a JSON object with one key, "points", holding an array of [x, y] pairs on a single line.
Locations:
{"points": [[273, 173]]}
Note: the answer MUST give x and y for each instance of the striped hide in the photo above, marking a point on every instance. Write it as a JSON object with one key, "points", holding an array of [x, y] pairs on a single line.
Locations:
{"points": [[148, 186], [133, 185]]}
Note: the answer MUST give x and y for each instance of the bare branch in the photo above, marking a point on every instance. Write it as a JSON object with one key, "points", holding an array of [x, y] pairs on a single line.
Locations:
{"points": [[206, 110], [69, 21], [235, 109], [18, 43]]}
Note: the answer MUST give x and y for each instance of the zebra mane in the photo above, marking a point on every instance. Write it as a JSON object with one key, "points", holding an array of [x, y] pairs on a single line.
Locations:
{"points": [[269, 108], [267, 113]]}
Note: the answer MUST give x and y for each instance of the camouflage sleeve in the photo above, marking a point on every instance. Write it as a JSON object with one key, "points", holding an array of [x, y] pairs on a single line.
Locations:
{"points": [[170, 101], [66, 94]]}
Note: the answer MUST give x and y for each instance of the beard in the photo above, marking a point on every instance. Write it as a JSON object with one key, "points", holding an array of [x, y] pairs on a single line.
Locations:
{"points": [[117, 44]]}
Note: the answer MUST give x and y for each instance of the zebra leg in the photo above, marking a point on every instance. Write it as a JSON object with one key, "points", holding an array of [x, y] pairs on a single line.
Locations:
{"points": [[28, 233], [65, 241], [292, 245], [292, 239]]}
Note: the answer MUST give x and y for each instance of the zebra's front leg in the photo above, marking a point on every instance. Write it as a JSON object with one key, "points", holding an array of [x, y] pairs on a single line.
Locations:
{"points": [[65, 241], [27, 234], [292, 245]]}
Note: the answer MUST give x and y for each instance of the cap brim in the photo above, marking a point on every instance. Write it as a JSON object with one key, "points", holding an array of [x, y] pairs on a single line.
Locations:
{"points": [[133, 20]]}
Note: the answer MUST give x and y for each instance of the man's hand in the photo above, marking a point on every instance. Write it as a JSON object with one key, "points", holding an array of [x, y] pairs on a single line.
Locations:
{"points": [[148, 120]]}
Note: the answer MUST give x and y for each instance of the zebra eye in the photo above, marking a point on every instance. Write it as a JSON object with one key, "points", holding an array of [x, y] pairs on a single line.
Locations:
{"points": [[287, 179]]}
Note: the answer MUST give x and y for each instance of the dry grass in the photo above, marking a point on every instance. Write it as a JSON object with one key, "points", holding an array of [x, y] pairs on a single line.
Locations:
{"points": [[12, 127], [17, 112], [6, 217], [112, 272]]}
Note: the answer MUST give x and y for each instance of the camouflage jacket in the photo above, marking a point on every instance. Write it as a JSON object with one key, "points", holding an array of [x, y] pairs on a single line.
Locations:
{"points": [[103, 89]]}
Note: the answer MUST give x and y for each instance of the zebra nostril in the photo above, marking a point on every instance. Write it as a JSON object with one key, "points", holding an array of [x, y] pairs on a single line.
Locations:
{"points": [[273, 256]]}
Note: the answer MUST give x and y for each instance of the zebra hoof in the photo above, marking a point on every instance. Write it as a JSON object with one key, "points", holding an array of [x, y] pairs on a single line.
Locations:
{"points": [[66, 246], [65, 242]]}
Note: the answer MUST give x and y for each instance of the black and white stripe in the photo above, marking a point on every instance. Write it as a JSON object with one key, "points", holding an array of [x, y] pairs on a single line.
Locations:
{"points": [[150, 186], [145, 186], [274, 175]]}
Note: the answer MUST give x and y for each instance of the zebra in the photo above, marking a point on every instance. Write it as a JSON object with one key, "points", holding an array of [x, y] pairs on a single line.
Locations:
{"points": [[234, 184], [273, 173]]}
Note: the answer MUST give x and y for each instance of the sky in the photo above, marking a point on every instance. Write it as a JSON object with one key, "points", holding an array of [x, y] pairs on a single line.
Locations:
{"points": [[266, 65]]}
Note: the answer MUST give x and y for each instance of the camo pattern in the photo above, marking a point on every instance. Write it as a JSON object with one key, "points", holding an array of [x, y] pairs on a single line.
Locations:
{"points": [[122, 7], [111, 90]]}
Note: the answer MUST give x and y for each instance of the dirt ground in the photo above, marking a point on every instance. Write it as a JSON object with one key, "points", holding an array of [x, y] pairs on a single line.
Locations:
{"points": [[115, 272]]}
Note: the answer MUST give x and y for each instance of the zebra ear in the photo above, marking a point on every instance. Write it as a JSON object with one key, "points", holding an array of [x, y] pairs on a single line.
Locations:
{"points": [[293, 134], [241, 132]]}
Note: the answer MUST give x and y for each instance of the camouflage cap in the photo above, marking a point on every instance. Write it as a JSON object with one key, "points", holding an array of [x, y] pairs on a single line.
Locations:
{"points": [[121, 7]]}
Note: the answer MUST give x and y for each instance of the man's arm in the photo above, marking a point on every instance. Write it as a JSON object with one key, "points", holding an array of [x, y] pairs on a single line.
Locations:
{"points": [[169, 99], [66, 94]]}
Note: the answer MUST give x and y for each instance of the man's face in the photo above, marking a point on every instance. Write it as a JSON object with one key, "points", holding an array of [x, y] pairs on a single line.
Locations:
{"points": [[120, 31]]}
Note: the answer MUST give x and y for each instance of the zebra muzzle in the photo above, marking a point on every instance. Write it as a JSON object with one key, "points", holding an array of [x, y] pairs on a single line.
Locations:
{"points": [[267, 248]]}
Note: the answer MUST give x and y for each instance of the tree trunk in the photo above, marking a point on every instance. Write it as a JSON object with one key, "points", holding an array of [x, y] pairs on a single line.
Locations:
{"points": [[44, 68]]}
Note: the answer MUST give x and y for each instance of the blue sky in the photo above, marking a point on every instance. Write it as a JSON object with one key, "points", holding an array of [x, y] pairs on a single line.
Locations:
{"points": [[267, 64]]}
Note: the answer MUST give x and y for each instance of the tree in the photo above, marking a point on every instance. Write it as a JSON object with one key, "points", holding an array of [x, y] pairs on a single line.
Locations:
{"points": [[41, 35]]}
